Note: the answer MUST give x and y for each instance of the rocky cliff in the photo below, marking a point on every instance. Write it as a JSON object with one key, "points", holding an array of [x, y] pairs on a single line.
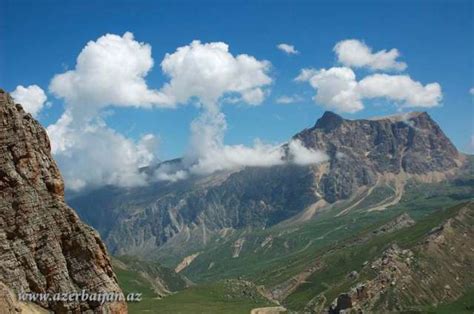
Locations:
{"points": [[433, 272], [362, 151], [44, 247], [364, 155]]}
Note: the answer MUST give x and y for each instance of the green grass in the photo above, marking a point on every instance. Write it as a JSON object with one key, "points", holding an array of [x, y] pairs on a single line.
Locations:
{"points": [[327, 238], [463, 305], [132, 282], [220, 297], [228, 296], [172, 280], [332, 279], [210, 298], [304, 243]]}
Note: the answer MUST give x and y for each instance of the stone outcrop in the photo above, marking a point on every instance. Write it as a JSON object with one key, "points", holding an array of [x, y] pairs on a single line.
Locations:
{"points": [[362, 151], [434, 271], [44, 246]]}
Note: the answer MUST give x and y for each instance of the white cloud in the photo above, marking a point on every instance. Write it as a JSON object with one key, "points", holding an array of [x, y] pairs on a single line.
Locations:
{"points": [[285, 100], [208, 71], [338, 89], [402, 89], [112, 71], [208, 153], [94, 155], [288, 49], [163, 175], [231, 157], [354, 53], [471, 91], [109, 71], [32, 98], [302, 155]]}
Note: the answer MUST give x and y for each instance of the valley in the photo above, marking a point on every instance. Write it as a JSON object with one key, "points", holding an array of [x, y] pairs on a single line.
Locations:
{"points": [[291, 237]]}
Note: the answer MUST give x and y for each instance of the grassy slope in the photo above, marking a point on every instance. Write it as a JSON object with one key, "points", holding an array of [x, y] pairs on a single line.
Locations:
{"points": [[229, 296], [332, 280], [294, 249], [463, 305], [220, 297]]}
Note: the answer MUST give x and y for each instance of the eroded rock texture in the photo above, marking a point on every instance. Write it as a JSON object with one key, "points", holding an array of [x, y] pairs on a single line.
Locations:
{"points": [[433, 272], [44, 247]]}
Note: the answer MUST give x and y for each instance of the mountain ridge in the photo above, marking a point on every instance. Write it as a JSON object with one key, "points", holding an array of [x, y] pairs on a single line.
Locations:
{"points": [[364, 155]]}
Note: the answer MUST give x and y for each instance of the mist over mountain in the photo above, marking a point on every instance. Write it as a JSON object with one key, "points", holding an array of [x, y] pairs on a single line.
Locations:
{"points": [[362, 155]]}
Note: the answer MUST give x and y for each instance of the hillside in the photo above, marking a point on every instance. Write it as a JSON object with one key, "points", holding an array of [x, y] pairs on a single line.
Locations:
{"points": [[369, 160], [398, 264], [307, 236]]}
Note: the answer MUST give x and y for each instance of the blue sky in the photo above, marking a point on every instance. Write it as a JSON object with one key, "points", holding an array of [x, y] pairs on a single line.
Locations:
{"points": [[39, 39]]}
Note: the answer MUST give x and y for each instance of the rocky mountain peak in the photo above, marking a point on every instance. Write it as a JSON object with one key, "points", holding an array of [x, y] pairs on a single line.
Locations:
{"points": [[44, 247], [329, 121]]}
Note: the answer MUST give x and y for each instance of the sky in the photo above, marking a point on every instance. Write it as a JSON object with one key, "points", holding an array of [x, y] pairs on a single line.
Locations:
{"points": [[126, 83]]}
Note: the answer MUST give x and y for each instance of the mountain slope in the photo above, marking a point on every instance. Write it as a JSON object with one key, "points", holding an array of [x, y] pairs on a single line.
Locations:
{"points": [[435, 270], [44, 247], [370, 163]]}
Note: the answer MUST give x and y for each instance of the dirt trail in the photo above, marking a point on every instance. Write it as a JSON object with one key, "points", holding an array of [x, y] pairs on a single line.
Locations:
{"points": [[268, 310], [399, 190], [369, 191]]}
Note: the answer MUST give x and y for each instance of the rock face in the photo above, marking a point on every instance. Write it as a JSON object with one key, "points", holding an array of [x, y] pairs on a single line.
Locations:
{"points": [[44, 247], [363, 154], [435, 271], [361, 150]]}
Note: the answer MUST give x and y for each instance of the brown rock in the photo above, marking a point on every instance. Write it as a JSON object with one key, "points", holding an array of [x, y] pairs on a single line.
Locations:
{"points": [[44, 247]]}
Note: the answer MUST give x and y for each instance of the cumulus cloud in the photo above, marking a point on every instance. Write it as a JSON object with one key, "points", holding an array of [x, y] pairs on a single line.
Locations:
{"points": [[285, 100], [337, 88], [109, 71], [402, 89], [208, 71], [32, 98], [288, 49], [93, 154], [356, 54], [471, 91]]}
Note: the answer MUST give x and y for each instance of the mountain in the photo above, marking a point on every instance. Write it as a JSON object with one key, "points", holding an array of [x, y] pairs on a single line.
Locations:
{"points": [[358, 231], [44, 246], [434, 270], [368, 160]]}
